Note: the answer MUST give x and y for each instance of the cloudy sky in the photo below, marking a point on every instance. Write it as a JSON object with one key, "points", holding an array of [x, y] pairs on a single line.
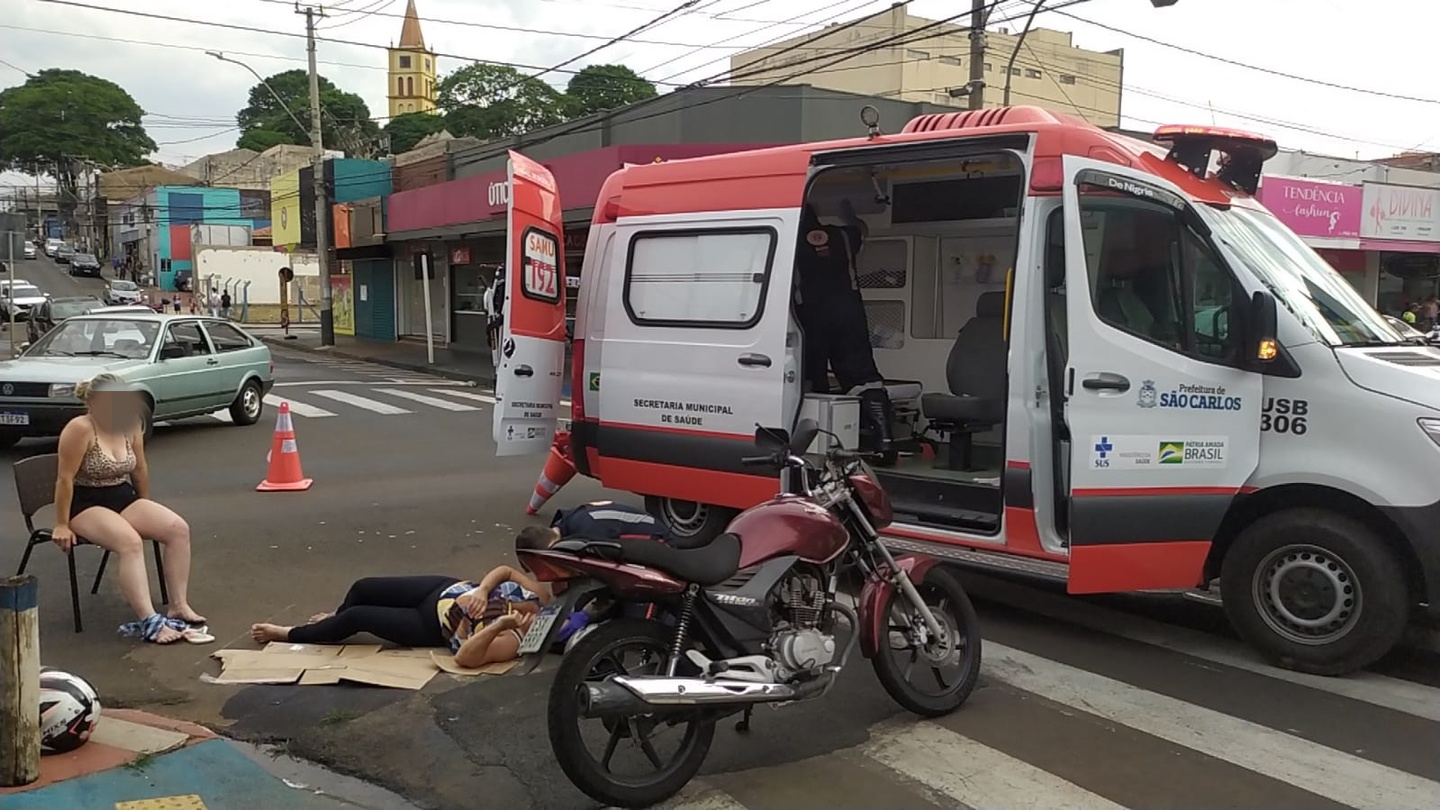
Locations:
{"points": [[1200, 61]]}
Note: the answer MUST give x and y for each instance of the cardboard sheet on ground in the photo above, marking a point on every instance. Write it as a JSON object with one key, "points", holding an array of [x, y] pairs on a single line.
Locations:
{"points": [[313, 664]]}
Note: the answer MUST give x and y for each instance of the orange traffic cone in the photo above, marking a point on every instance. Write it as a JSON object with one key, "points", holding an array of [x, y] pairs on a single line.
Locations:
{"points": [[284, 474], [559, 469]]}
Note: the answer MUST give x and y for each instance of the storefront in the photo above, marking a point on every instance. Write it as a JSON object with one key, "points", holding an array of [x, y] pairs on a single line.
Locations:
{"points": [[1401, 226], [368, 283], [1327, 217]]}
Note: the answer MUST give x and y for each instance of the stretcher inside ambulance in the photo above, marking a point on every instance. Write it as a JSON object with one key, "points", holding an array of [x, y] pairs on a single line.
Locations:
{"points": [[1086, 357]]}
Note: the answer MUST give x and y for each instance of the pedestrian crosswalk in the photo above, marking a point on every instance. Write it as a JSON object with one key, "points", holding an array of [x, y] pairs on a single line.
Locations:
{"points": [[1092, 718], [373, 399]]}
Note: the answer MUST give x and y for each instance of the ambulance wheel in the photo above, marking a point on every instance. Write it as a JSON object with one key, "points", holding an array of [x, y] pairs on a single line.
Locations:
{"points": [[1315, 591], [688, 521]]}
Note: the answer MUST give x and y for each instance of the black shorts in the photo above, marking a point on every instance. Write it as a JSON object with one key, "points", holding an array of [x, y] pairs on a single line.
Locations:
{"points": [[115, 498]]}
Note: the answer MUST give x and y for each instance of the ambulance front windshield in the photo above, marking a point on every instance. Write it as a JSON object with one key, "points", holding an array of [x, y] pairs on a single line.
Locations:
{"points": [[1301, 281]]}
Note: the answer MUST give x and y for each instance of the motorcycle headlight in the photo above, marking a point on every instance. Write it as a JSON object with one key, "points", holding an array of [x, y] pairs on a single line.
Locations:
{"points": [[62, 390]]}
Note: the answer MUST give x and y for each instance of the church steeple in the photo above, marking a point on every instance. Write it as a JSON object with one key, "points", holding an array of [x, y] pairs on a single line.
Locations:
{"points": [[412, 73]]}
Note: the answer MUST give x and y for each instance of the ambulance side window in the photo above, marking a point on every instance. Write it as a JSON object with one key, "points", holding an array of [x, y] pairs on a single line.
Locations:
{"points": [[1153, 276], [712, 278]]}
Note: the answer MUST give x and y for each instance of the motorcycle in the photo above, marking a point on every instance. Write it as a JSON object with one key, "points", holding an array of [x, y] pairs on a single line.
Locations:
{"points": [[751, 617]]}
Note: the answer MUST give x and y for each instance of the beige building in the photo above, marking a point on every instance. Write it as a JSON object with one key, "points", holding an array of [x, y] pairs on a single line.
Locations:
{"points": [[246, 168], [1049, 71], [412, 69]]}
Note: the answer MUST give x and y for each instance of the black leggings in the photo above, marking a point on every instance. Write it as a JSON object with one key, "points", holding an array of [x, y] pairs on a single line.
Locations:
{"points": [[401, 610]]}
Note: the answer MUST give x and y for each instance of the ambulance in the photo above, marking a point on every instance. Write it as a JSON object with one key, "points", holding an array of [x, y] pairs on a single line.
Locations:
{"points": [[1108, 365]]}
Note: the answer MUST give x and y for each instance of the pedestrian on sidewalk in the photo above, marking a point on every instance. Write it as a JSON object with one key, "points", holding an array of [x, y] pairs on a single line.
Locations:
{"points": [[214, 304], [225, 305], [176, 303], [102, 497]]}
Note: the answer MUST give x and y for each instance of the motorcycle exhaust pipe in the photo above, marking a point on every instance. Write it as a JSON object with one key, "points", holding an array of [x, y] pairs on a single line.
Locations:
{"points": [[626, 695]]}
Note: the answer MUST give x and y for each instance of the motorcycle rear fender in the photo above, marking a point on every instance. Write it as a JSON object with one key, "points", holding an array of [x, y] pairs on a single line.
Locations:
{"points": [[875, 596], [577, 590], [627, 582]]}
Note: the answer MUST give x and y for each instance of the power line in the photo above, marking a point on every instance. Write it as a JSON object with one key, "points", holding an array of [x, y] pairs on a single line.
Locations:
{"points": [[627, 35], [1248, 66]]}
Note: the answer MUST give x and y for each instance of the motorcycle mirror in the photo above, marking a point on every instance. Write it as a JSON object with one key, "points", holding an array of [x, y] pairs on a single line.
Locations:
{"points": [[771, 439], [805, 434]]}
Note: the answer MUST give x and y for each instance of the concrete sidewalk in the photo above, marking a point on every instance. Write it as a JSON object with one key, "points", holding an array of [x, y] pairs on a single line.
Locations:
{"points": [[140, 761], [454, 365]]}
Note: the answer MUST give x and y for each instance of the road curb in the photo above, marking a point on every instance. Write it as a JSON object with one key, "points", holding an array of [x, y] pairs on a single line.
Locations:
{"points": [[422, 368]]}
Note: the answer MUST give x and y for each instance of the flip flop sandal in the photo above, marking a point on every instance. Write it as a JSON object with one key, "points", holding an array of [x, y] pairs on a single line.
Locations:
{"points": [[197, 636]]}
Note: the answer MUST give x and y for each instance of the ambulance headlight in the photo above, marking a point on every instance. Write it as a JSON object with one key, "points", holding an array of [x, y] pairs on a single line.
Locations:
{"points": [[1431, 428]]}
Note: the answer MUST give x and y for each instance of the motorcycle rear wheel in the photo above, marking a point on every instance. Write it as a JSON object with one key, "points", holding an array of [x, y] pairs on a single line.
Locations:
{"points": [[594, 658], [959, 653]]}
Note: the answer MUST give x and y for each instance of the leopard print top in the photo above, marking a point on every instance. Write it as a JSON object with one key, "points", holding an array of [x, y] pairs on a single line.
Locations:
{"points": [[99, 470]]}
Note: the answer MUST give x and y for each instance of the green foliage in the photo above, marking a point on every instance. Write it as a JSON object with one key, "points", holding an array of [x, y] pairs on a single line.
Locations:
{"points": [[597, 88], [58, 117], [494, 101], [407, 130], [344, 122]]}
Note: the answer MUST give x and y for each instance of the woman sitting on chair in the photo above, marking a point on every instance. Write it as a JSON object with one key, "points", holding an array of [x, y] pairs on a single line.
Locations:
{"points": [[101, 495]]}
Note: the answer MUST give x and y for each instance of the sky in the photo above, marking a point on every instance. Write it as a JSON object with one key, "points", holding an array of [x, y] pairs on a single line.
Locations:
{"points": [[1375, 48]]}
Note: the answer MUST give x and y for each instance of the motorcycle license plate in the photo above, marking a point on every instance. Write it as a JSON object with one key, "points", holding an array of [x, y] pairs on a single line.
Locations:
{"points": [[539, 629]]}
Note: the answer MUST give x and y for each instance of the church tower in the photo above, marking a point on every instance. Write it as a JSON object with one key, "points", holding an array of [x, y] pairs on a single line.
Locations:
{"points": [[412, 69]]}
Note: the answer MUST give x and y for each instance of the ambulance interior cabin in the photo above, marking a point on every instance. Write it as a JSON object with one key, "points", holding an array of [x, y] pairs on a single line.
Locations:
{"points": [[937, 242]]}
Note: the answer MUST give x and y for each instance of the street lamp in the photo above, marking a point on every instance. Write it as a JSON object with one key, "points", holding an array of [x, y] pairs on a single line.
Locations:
{"points": [[278, 100], [1029, 20]]}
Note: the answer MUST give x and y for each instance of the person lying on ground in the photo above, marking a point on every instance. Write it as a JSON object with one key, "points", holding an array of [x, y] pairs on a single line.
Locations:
{"points": [[479, 622], [102, 491]]}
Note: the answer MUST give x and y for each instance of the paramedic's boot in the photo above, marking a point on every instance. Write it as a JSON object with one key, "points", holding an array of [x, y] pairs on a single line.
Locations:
{"points": [[877, 415]]}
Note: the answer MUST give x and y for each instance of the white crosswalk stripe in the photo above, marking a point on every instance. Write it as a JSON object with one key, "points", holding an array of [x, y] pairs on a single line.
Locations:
{"points": [[434, 402], [297, 408], [360, 402], [1043, 732]]}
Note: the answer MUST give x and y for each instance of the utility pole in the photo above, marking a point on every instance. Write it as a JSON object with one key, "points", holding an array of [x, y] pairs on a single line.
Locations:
{"points": [[322, 241], [977, 54]]}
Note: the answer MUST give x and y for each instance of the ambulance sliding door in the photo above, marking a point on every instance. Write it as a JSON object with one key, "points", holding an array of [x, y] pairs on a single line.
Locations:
{"points": [[1165, 423]]}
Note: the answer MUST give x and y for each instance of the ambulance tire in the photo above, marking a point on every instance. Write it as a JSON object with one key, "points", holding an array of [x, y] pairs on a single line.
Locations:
{"points": [[689, 523], [1310, 552]]}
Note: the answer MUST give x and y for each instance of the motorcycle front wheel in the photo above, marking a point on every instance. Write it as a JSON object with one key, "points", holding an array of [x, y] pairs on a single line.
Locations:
{"points": [[910, 658], [622, 647]]}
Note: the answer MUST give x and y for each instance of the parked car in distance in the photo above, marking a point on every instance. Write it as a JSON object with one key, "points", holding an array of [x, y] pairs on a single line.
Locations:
{"points": [[120, 291], [63, 253], [29, 250], [44, 317], [19, 297], [84, 264], [183, 365], [52, 245]]}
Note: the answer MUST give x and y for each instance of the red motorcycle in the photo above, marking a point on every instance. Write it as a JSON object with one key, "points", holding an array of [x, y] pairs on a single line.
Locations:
{"points": [[688, 636]]}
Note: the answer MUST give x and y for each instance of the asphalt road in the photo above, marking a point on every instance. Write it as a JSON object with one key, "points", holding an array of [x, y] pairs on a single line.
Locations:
{"points": [[1097, 703]]}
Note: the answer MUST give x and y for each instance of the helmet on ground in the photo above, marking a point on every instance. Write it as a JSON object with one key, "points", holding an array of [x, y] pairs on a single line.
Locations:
{"points": [[69, 710]]}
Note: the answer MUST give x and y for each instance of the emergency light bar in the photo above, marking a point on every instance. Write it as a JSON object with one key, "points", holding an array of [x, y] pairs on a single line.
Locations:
{"points": [[1242, 154]]}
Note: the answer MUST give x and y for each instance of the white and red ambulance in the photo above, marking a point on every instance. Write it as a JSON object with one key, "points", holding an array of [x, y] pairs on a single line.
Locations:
{"points": [[1108, 364]]}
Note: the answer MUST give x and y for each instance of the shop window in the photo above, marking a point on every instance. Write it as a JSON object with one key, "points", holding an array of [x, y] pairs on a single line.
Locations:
{"points": [[470, 285], [713, 278]]}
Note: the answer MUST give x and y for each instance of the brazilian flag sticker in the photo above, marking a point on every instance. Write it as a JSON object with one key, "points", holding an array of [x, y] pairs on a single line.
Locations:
{"points": [[1172, 453], [594, 381]]}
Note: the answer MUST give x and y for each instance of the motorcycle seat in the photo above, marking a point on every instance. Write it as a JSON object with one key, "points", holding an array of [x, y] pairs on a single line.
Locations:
{"points": [[710, 564]]}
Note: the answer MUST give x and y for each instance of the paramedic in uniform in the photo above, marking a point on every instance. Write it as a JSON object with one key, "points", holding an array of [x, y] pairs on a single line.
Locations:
{"points": [[837, 332]]}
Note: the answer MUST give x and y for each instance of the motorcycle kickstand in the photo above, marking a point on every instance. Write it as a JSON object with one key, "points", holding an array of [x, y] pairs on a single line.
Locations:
{"points": [[742, 726]]}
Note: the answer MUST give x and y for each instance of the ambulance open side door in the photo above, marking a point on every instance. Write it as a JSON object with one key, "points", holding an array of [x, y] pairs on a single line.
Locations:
{"points": [[530, 377], [1163, 415]]}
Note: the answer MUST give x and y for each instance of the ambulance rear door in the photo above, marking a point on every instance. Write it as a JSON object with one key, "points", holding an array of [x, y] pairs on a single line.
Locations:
{"points": [[698, 349], [1164, 416], [529, 380]]}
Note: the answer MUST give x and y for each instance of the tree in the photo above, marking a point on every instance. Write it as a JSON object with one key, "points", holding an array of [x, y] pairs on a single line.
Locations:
{"points": [[407, 130], [495, 101], [597, 88], [344, 120], [60, 120]]}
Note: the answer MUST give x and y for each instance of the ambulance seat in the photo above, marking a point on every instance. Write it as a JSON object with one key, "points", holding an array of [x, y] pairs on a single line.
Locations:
{"points": [[976, 373]]}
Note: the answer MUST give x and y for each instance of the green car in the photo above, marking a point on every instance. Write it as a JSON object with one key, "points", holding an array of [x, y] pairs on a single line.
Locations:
{"points": [[185, 365]]}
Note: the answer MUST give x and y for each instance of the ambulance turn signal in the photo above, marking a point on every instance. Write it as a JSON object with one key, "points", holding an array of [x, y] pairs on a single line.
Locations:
{"points": [[1268, 350]]}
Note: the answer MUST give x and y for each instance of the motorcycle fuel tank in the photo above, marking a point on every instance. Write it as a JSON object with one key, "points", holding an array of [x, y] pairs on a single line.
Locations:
{"points": [[788, 525]]}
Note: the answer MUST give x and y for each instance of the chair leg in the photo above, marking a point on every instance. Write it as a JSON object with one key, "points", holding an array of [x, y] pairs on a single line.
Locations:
{"points": [[74, 591], [25, 559], [100, 572], [160, 572]]}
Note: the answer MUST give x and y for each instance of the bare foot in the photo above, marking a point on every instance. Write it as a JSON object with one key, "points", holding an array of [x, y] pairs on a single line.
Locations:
{"points": [[186, 614], [319, 617], [264, 633], [168, 635]]}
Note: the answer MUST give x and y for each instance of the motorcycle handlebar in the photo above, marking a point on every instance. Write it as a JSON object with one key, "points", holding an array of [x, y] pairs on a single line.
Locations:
{"points": [[760, 461]]}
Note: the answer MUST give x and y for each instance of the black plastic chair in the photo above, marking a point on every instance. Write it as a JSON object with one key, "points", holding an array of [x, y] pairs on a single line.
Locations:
{"points": [[35, 486]]}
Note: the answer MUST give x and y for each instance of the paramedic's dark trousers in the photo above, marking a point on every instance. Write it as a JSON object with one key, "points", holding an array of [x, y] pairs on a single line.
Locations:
{"points": [[838, 338], [400, 610]]}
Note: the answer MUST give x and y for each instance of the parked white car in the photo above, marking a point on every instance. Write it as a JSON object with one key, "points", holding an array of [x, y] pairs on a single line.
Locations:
{"points": [[120, 291], [18, 297]]}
